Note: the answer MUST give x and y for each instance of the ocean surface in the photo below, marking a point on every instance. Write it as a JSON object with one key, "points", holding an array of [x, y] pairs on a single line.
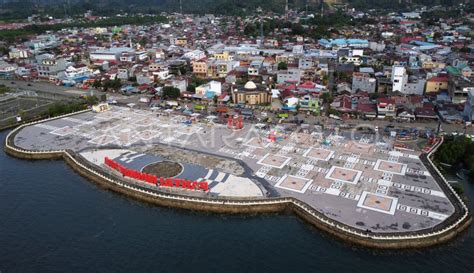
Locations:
{"points": [[53, 220]]}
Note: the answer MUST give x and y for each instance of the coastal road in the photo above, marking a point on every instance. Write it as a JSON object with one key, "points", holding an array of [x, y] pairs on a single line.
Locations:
{"points": [[75, 92], [48, 88]]}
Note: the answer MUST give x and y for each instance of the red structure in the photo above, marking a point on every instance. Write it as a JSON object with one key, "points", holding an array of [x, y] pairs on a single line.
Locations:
{"points": [[152, 179], [272, 137], [235, 123]]}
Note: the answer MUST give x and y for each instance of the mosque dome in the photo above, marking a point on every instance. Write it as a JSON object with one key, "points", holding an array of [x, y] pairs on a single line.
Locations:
{"points": [[250, 85]]}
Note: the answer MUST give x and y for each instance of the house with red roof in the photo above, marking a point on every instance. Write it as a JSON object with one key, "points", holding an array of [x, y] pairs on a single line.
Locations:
{"points": [[437, 84], [386, 107], [342, 104], [367, 109]]}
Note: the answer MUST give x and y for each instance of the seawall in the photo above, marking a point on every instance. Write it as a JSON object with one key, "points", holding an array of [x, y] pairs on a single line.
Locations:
{"points": [[443, 233]]}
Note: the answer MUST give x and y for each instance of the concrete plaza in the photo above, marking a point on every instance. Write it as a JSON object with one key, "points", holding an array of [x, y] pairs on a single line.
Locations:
{"points": [[359, 180]]}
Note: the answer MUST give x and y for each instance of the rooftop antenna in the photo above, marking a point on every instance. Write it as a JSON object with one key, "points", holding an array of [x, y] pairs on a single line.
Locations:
{"points": [[181, 7], [286, 7], [306, 6]]}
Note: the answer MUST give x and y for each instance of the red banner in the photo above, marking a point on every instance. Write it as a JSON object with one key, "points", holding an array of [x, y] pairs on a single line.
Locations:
{"points": [[152, 179]]}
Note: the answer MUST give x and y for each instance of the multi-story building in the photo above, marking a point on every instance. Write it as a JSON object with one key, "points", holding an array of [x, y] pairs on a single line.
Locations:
{"points": [[254, 67], [220, 69], [78, 73], [250, 94], [309, 103], [224, 56], [414, 86], [386, 108], [469, 106], [209, 90], [195, 55], [7, 71], [19, 53], [399, 78], [436, 84], [179, 41], [200, 68], [289, 76], [363, 82], [49, 67], [110, 54]]}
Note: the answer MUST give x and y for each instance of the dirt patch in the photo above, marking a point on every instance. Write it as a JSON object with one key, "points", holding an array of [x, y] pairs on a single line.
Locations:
{"points": [[195, 158], [164, 169]]}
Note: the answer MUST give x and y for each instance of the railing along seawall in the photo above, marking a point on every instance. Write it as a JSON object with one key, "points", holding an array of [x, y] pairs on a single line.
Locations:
{"points": [[269, 201]]}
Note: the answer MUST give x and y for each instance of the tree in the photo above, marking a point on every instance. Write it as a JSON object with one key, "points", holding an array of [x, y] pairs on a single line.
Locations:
{"points": [[282, 66], [4, 89], [112, 84], [97, 84], [171, 92], [250, 30], [327, 97]]}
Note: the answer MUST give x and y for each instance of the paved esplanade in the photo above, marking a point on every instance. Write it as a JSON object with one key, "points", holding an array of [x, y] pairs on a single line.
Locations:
{"points": [[358, 180]]}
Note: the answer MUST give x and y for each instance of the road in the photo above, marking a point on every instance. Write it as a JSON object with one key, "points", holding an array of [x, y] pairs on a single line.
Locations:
{"points": [[48, 88], [71, 91]]}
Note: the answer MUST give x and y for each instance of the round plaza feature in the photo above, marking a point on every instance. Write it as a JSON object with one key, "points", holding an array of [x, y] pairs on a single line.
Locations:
{"points": [[164, 169]]}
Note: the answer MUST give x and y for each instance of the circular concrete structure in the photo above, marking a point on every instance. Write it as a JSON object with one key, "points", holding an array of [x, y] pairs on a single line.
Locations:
{"points": [[164, 169]]}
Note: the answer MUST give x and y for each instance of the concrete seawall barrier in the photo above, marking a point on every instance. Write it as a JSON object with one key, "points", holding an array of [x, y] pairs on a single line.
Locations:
{"points": [[443, 233]]}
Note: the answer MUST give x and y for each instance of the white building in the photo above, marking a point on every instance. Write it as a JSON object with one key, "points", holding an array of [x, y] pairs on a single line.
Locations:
{"points": [[78, 73], [195, 55], [7, 70], [209, 90], [19, 53], [110, 54], [469, 105], [254, 67], [289, 76], [399, 78]]}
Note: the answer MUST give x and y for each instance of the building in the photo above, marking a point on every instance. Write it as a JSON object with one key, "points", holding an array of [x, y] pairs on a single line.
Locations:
{"points": [[19, 53], [250, 94], [182, 85], [110, 54], [355, 43], [309, 103], [220, 68], [289, 76], [7, 71], [363, 82], [224, 56], [386, 108], [414, 86], [178, 41], [209, 90], [399, 78], [200, 68], [255, 67], [77, 73], [195, 55], [436, 84], [51, 67], [469, 106]]}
